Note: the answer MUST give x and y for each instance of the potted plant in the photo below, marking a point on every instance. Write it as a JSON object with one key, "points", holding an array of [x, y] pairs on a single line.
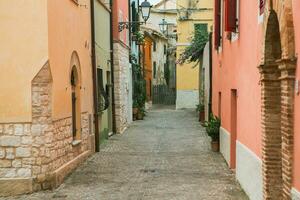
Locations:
{"points": [[213, 131], [139, 92], [201, 112], [141, 114]]}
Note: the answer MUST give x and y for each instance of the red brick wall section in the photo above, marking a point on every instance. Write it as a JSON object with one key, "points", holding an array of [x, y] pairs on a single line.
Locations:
{"points": [[277, 80]]}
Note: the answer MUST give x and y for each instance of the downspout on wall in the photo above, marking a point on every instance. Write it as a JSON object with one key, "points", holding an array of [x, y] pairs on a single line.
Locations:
{"points": [[94, 77], [112, 68], [210, 75]]}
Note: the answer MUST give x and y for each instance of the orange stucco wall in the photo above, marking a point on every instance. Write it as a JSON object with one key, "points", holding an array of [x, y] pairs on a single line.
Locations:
{"points": [[148, 66], [33, 33], [69, 31], [296, 7], [235, 67], [23, 52]]}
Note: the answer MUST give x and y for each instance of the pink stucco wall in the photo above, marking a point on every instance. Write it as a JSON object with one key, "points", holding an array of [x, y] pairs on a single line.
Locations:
{"points": [[296, 7], [68, 32], [120, 14], [235, 67]]}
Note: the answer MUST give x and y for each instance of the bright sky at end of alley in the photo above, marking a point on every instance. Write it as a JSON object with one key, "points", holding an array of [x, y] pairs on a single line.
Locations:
{"points": [[154, 1]]}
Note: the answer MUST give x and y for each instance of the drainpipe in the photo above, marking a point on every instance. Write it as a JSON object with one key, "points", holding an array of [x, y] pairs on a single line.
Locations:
{"points": [[139, 47], [210, 75], [112, 68], [94, 77]]}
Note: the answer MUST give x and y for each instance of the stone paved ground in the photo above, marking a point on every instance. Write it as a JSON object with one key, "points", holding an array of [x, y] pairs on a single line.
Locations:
{"points": [[165, 157]]}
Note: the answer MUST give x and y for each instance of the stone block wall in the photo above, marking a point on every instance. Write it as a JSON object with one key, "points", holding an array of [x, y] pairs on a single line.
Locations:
{"points": [[121, 86]]}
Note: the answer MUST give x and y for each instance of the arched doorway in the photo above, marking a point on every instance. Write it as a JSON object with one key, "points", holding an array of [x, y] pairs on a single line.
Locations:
{"points": [[271, 111], [76, 107], [277, 94]]}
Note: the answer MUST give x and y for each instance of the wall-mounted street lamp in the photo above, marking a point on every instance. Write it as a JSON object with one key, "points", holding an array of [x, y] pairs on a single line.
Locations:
{"points": [[145, 9], [164, 27]]}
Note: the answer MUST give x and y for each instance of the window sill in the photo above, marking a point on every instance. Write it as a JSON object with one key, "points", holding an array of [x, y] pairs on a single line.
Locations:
{"points": [[76, 142]]}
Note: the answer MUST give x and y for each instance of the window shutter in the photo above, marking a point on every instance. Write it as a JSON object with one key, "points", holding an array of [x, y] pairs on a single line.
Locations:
{"points": [[261, 6], [231, 15], [217, 23], [133, 17]]}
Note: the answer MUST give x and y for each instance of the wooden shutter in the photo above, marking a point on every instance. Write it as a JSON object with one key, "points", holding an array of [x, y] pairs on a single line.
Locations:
{"points": [[134, 17], [231, 15], [261, 7], [217, 23]]}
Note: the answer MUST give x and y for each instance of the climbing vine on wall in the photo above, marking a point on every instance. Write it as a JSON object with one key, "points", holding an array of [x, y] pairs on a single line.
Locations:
{"points": [[193, 53], [139, 87]]}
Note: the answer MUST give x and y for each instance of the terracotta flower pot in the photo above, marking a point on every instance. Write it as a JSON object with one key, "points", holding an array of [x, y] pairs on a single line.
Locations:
{"points": [[140, 116], [135, 111], [215, 146], [201, 116]]}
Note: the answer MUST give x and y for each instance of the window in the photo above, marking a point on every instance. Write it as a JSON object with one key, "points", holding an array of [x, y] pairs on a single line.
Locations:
{"points": [[154, 46], [200, 29], [231, 16], [220, 105], [165, 49], [261, 7], [167, 73], [102, 94], [75, 98], [217, 24], [154, 69]]}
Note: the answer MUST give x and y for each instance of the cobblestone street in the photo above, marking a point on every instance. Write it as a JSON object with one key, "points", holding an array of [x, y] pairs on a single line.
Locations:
{"points": [[165, 157]]}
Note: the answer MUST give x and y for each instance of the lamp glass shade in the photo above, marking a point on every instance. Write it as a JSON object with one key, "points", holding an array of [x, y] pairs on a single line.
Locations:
{"points": [[145, 9], [163, 26]]}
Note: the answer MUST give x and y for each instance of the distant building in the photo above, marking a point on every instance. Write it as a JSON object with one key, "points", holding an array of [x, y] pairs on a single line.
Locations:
{"points": [[147, 67], [161, 61], [191, 13]]}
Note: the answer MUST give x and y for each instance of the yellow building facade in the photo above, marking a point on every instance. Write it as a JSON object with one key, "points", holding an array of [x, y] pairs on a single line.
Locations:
{"points": [[190, 14]]}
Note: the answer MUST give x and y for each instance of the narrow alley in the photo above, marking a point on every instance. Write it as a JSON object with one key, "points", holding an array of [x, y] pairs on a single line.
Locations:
{"points": [[166, 156]]}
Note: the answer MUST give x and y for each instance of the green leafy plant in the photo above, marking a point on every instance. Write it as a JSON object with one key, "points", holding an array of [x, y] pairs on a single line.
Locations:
{"points": [[194, 52], [139, 87], [200, 108], [213, 127], [135, 104], [167, 74], [139, 37], [133, 58]]}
